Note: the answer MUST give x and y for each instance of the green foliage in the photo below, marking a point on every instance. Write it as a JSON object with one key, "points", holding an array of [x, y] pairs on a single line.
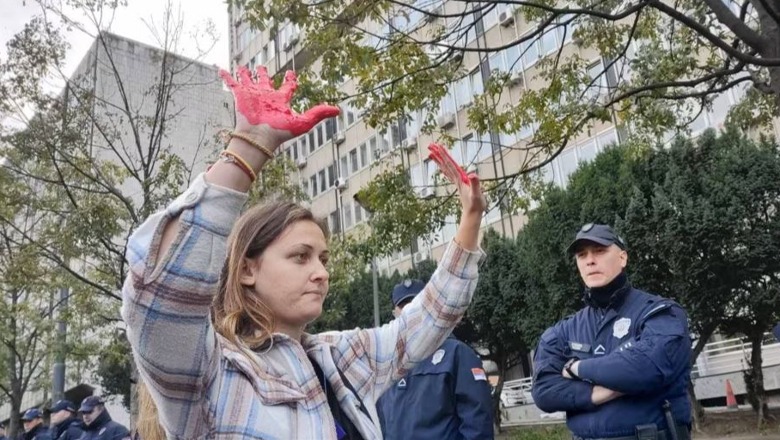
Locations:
{"points": [[662, 65], [115, 368]]}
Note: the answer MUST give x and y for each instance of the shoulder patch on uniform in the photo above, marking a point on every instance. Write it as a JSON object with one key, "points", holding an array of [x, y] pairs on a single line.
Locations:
{"points": [[479, 374], [438, 356]]}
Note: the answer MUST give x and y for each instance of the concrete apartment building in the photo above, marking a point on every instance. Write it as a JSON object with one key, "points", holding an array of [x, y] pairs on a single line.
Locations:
{"points": [[339, 156], [335, 160], [198, 107]]}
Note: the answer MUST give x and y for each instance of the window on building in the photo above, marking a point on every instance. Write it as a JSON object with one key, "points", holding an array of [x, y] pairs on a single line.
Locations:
{"points": [[343, 167], [373, 148], [596, 73], [529, 52], [319, 130], [430, 172], [313, 186], [303, 141], [363, 155], [323, 181], [332, 176], [587, 151], [334, 223], [330, 128], [462, 92], [353, 160], [358, 214], [549, 42], [312, 142], [347, 215]]}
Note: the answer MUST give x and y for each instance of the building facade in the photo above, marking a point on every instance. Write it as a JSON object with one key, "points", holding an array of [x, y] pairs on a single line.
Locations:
{"points": [[181, 118], [339, 156]]}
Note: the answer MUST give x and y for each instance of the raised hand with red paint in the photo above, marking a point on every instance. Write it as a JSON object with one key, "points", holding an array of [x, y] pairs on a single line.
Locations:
{"points": [[472, 199], [263, 110]]}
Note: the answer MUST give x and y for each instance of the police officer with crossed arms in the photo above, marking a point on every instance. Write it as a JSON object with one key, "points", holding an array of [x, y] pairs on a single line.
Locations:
{"points": [[620, 366]]}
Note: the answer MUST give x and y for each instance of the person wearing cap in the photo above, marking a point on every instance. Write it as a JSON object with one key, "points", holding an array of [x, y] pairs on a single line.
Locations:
{"points": [[64, 425], [32, 420], [446, 396], [98, 423], [619, 367]]}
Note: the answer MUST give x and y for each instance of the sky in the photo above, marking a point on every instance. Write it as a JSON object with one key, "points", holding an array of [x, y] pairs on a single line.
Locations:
{"points": [[130, 21]]}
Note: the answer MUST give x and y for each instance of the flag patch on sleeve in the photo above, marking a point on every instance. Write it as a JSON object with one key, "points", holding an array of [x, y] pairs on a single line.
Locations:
{"points": [[479, 374]]}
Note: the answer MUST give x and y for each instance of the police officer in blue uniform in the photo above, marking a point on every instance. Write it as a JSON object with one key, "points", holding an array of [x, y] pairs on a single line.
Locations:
{"points": [[620, 366], [776, 331], [446, 396]]}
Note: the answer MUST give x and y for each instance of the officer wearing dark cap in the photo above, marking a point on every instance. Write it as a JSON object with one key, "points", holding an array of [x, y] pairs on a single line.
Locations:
{"points": [[446, 396], [63, 421], [98, 423], [620, 366], [32, 420]]}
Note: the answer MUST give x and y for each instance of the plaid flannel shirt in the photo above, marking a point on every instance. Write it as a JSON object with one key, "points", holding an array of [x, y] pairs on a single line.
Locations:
{"points": [[205, 387]]}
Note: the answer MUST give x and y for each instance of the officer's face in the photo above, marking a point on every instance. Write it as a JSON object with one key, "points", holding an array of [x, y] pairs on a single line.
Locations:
{"points": [[59, 416], [400, 307], [29, 425], [598, 265], [90, 417]]}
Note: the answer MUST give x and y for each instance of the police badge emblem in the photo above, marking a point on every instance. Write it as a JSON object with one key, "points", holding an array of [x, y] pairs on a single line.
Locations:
{"points": [[621, 327], [437, 357]]}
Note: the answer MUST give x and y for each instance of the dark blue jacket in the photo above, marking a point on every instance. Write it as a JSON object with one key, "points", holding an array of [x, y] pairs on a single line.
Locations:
{"points": [[40, 432], [639, 346], [103, 428], [70, 429], [446, 396]]}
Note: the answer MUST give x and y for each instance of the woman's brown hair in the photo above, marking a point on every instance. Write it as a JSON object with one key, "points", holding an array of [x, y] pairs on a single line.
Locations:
{"points": [[147, 426], [239, 315]]}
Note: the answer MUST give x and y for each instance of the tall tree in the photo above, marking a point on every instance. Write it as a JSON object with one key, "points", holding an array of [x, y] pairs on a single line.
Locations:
{"points": [[706, 233], [650, 66], [106, 151]]}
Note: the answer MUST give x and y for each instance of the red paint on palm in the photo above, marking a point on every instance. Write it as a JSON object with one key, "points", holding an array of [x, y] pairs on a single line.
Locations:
{"points": [[439, 154], [260, 103]]}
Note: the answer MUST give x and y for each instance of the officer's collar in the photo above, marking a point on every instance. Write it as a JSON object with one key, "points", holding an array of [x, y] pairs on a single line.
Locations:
{"points": [[610, 296]]}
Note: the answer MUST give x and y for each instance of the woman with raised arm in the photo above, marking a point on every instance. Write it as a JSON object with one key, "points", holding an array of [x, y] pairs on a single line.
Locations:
{"points": [[217, 302]]}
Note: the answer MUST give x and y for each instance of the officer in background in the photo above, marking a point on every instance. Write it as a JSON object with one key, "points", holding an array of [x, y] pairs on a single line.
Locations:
{"points": [[446, 396], [32, 420], [63, 422], [620, 366], [98, 423]]}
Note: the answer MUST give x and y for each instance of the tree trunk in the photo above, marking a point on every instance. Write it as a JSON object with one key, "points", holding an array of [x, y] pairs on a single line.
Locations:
{"points": [[754, 377]]}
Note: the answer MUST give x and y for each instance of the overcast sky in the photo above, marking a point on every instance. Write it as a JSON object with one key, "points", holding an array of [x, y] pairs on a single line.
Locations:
{"points": [[129, 22]]}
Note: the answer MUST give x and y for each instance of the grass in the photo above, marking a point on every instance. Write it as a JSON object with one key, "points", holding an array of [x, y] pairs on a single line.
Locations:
{"points": [[548, 432]]}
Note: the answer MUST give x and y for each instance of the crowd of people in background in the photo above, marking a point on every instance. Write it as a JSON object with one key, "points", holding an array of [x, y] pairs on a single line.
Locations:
{"points": [[66, 421]]}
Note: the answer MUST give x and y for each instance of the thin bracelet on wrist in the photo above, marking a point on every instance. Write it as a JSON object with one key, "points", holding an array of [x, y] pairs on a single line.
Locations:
{"points": [[233, 157], [248, 139]]}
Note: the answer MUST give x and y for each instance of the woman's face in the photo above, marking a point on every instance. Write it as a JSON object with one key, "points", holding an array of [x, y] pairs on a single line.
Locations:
{"points": [[291, 277]]}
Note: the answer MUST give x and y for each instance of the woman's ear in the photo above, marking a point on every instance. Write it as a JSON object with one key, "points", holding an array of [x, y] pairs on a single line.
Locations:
{"points": [[249, 270]]}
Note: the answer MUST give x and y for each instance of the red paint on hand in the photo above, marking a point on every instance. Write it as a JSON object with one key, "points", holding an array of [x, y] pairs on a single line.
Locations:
{"points": [[260, 103], [440, 155]]}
